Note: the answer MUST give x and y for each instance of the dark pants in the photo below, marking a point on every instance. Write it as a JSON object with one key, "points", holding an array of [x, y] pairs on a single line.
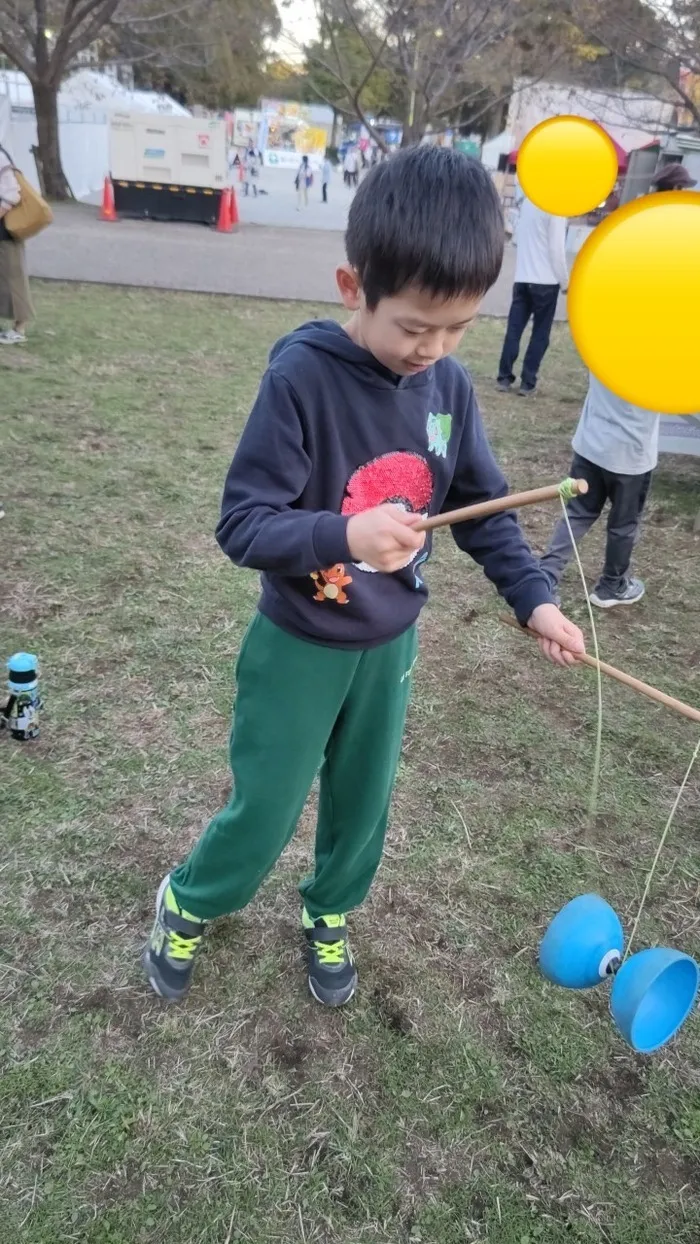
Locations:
{"points": [[324, 191], [627, 495], [540, 303]]}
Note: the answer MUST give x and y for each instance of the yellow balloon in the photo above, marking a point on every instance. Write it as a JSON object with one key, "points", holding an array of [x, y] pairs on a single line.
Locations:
{"points": [[633, 299], [567, 166]]}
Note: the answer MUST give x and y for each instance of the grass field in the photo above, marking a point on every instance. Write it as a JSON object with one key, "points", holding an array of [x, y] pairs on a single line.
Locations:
{"points": [[460, 1098]]}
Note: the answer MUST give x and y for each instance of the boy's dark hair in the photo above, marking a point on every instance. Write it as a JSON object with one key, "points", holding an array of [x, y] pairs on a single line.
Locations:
{"points": [[429, 217]]}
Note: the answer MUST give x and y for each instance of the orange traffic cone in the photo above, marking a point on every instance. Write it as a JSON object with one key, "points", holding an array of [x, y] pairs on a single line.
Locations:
{"points": [[235, 219], [224, 224], [107, 211]]}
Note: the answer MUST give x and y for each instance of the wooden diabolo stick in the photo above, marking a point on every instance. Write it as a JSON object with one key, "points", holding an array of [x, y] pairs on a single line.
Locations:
{"points": [[513, 502], [686, 710]]}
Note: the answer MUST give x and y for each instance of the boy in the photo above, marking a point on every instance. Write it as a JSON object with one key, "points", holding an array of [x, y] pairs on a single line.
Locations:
{"points": [[616, 448], [357, 433]]}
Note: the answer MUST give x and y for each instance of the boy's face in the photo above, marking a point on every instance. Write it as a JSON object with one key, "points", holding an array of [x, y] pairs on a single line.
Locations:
{"points": [[407, 333]]}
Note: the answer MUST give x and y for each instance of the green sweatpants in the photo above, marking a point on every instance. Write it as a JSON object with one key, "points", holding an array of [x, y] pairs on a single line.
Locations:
{"points": [[299, 708]]}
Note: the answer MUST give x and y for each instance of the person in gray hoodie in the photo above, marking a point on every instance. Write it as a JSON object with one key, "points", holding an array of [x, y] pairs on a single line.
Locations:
{"points": [[616, 450]]}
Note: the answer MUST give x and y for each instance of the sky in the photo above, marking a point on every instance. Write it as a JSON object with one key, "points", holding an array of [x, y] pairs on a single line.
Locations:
{"points": [[299, 26]]}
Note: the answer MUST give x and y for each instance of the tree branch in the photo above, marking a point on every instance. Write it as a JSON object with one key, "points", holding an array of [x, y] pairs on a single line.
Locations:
{"points": [[14, 52]]}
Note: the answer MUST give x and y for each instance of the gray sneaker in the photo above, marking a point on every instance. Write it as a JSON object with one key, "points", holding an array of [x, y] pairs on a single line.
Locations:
{"points": [[629, 593], [175, 942], [504, 386], [332, 973]]}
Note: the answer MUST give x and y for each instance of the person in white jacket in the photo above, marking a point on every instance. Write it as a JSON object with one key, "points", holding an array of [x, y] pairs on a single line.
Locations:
{"points": [[541, 273], [15, 298]]}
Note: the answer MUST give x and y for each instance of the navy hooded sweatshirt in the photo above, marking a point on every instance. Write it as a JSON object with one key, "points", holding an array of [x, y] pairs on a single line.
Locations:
{"points": [[332, 433]]}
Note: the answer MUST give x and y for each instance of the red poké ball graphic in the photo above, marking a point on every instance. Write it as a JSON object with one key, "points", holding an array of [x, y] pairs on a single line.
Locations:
{"points": [[399, 478]]}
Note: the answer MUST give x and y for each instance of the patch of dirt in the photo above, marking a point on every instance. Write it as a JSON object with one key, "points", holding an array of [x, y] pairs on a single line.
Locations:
{"points": [[28, 603], [202, 544], [96, 441], [288, 1051], [427, 1164], [674, 1171], [124, 1011], [266, 1043], [390, 1012], [16, 360], [622, 1084]]}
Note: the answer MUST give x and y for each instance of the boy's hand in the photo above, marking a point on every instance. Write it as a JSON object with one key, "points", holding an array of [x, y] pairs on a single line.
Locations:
{"points": [[383, 537], [558, 638]]}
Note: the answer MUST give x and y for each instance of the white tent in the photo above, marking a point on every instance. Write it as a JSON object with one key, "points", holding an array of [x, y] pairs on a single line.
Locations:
{"points": [[90, 91], [100, 92], [630, 117], [85, 103]]}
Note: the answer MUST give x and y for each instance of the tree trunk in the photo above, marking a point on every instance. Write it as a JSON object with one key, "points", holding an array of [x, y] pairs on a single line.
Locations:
{"points": [[51, 176], [412, 131]]}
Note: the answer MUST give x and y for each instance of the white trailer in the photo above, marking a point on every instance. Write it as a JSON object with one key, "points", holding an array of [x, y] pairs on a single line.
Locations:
{"points": [[168, 168]]}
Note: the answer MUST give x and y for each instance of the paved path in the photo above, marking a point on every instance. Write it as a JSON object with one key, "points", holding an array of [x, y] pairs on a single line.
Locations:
{"points": [[278, 206], [260, 260]]}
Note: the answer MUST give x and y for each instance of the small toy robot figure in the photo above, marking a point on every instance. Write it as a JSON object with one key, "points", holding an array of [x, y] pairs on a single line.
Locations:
{"points": [[21, 712]]}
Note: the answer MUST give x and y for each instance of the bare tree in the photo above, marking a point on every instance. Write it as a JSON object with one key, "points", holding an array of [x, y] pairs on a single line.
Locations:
{"points": [[210, 51], [43, 38], [347, 67], [659, 40], [188, 38], [440, 59], [442, 48]]}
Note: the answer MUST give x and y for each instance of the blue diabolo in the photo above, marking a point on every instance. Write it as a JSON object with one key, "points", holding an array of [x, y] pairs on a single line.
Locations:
{"points": [[653, 995], [653, 992], [583, 944]]}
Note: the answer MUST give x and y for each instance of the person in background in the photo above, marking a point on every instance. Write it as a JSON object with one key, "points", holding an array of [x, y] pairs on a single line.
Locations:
{"points": [[672, 177], [351, 167], [15, 298], [616, 448], [541, 273], [303, 181], [326, 173], [252, 161]]}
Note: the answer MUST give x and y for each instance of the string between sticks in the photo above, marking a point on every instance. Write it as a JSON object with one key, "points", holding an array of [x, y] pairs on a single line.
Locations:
{"points": [[564, 495], [660, 847]]}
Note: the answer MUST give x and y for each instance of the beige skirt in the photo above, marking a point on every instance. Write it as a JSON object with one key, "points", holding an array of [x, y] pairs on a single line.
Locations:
{"points": [[15, 298]]}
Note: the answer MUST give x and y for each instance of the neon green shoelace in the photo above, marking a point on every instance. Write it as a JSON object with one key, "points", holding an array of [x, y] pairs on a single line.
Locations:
{"points": [[331, 954], [180, 947]]}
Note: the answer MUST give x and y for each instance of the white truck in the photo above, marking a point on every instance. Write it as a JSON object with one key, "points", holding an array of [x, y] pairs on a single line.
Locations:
{"points": [[168, 168]]}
